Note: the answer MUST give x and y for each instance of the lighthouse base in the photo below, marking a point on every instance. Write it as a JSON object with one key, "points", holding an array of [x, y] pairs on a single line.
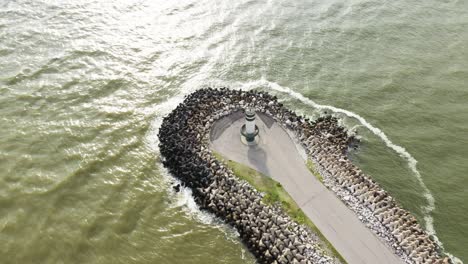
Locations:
{"points": [[249, 139]]}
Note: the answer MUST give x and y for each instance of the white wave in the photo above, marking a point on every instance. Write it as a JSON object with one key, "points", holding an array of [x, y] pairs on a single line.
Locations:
{"points": [[411, 161], [163, 109], [184, 198], [187, 198]]}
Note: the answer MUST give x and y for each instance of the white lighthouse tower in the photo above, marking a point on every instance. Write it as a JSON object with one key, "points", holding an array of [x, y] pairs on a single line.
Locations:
{"points": [[249, 130]]}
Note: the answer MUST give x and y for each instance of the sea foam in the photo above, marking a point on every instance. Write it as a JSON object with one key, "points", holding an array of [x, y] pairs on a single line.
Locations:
{"points": [[184, 198], [164, 108], [401, 151]]}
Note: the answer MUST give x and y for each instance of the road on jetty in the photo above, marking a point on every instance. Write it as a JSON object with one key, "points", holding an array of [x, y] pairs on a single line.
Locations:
{"points": [[279, 157]]}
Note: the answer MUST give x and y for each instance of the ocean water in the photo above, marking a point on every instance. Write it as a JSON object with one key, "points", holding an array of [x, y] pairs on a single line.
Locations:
{"points": [[84, 86]]}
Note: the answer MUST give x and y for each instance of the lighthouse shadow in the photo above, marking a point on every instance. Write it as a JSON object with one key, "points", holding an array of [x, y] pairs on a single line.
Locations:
{"points": [[258, 158]]}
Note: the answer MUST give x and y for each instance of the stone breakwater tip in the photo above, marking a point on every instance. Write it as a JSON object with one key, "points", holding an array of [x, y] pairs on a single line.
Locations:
{"points": [[270, 234]]}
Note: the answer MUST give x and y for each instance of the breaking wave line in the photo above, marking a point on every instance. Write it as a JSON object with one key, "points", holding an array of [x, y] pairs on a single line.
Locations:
{"points": [[411, 161]]}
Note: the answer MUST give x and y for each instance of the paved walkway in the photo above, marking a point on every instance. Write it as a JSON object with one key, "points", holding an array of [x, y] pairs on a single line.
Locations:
{"points": [[277, 156]]}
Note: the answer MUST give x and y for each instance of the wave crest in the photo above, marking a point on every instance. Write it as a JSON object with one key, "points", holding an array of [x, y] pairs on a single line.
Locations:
{"points": [[401, 151]]}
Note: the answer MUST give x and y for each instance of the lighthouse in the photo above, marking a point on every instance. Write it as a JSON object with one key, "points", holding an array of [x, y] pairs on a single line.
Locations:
{"points": [[249, 130]]}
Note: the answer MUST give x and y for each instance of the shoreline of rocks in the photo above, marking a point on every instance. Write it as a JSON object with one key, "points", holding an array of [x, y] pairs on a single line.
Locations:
{"points": [[271, 235]]}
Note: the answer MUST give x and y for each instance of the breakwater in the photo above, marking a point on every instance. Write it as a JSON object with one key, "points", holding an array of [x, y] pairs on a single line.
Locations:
{"points": [[270, 234]]}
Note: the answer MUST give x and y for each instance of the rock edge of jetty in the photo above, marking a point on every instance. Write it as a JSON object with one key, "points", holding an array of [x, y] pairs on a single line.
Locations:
{"points": [[270, 234]]}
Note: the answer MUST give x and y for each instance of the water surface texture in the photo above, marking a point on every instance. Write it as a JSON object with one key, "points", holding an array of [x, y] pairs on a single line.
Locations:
{"points": [[84, 85]]}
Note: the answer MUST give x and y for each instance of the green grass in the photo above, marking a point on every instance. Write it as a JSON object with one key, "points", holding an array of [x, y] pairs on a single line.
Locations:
{"points": [[311, 166], [275, 194]]}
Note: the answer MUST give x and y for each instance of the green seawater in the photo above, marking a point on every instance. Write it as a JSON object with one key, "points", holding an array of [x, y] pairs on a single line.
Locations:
{"points": [[84, 86]]}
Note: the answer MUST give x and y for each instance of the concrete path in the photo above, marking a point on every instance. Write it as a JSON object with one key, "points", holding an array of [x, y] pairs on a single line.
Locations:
{"points": [[277, 156]]}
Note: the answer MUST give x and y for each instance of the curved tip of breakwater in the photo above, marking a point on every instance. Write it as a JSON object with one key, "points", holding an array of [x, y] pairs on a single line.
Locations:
{"points": [[270, 234]]}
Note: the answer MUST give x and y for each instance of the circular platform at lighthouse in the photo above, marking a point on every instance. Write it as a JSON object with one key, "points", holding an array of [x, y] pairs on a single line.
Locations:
{"points": [[276, 155]]}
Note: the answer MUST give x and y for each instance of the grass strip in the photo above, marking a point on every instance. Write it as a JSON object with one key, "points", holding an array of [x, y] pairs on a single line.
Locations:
{"points": [[275, 194]]}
